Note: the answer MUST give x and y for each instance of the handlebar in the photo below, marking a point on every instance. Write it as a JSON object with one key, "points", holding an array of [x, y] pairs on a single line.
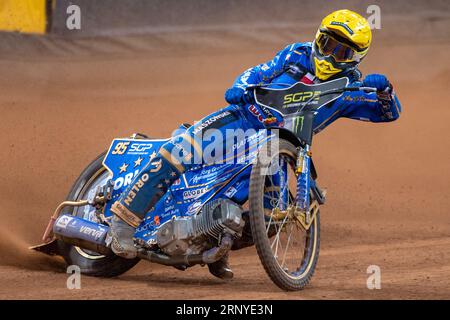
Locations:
{"points": [[340, 90], [366, 89], [250, 94]]}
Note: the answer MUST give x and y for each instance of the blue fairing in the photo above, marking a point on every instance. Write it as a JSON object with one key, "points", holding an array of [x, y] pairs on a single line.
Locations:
{"points": [[127, 157]]}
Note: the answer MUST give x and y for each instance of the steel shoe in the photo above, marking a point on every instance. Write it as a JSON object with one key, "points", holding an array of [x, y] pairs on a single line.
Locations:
{"points": [[220, 269]]}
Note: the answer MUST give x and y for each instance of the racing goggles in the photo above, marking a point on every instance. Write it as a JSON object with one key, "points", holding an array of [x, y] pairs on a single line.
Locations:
{"points": [[341, 52]]}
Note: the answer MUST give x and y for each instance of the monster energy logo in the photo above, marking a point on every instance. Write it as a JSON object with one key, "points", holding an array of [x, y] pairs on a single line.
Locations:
{"points": [[298, 123]]}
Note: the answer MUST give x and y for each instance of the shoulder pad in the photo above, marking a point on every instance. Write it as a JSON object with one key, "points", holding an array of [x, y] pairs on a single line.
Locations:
{"points": [[300, 47]]}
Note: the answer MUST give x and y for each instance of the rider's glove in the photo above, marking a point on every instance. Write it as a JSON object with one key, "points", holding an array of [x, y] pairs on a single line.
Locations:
{"points": [[383, 86], [378, 81], [234, 95], [384, 90], [238, 96]]}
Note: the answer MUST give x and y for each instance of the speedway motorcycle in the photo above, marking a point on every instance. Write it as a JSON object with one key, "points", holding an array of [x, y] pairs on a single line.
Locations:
{"points": [[214, 208]]}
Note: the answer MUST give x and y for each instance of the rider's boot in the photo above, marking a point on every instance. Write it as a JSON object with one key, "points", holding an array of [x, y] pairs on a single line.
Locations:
{"points": [[122, 243], [139, 198], [221, 269]]}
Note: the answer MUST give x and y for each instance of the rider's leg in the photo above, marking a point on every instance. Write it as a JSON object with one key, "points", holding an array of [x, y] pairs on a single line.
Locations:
{"points": [[147, 188], [181, 153]]}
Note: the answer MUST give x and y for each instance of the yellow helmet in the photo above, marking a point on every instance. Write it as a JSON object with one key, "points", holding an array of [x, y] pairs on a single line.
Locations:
{"points": [[342, 41]]}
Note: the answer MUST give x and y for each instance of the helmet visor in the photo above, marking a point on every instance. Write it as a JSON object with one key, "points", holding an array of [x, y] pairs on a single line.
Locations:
{"points": [[328, 46]]}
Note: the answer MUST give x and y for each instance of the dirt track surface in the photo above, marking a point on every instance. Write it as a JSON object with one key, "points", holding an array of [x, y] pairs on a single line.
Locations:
{"points": [[388, 184]]}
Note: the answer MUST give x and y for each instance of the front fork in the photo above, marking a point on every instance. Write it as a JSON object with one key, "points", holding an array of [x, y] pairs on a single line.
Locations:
{"points": [[301, 210], [303, 182]]}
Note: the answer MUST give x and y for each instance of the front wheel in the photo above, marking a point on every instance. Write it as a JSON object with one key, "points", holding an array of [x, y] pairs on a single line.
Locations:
{"points": [[288, 252], [91, 263]]}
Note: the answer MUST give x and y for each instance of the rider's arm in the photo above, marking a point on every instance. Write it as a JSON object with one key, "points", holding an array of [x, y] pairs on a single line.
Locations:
{"points": [[265, 72], [374, 107]]}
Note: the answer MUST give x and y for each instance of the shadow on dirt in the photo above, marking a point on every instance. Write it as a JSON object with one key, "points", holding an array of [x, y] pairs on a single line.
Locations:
{"points": [[188, 280]]}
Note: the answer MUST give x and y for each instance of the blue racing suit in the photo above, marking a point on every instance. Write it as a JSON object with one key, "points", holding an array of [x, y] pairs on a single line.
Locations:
{"points": [[290, 65], [294, 62]]}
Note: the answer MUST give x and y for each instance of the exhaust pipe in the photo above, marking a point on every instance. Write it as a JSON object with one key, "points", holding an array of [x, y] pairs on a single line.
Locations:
{"points": [[82, 233], [209, 256]]}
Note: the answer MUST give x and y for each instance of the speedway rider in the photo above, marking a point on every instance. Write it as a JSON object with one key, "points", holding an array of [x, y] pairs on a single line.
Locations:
{"points": [[342, 41]]}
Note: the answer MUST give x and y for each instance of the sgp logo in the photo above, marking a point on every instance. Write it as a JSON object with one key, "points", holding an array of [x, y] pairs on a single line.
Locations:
{"points": [[140, 147], [301, 96]]}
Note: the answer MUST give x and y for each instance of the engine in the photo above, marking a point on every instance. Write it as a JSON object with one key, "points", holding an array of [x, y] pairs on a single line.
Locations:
{"points": [[194, 234]]}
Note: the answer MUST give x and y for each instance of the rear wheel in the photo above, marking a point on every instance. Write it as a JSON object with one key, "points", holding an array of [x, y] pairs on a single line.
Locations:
{"points": [[287, 250], [91, 263]]}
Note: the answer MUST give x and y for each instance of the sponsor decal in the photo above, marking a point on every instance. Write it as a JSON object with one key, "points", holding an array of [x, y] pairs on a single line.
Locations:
{"points": [[91, 231], [125, 180], [170, 213], [194, 207], [195, 193], [357, 98], [301, 97], [343, 25], [266, 117], [139, 148], [169, 208], [143, 228], [63, 221], [156, 166], [206, 174], [254, 111], [230, 192], [247, 140], [136, 148], [137, 186], [204, 124], [298, 123], [150, 225]]}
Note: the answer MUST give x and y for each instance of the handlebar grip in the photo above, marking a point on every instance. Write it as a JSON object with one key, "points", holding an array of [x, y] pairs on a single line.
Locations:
{"points": [[368, 89]]}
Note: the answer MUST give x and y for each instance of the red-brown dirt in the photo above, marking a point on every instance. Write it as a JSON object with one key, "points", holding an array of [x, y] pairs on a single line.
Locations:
{"points": [[388, 184]]}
